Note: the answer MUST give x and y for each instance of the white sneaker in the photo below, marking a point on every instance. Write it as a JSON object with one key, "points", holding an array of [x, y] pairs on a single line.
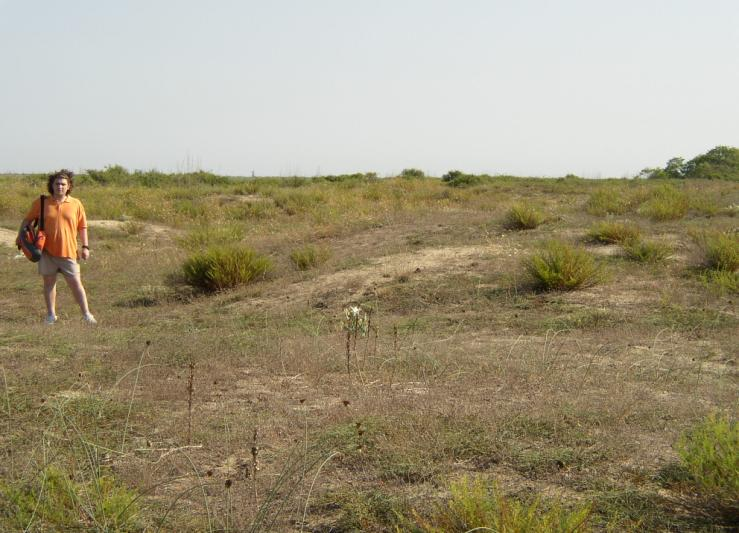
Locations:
{"points": [[88, 318], [50, 320]]}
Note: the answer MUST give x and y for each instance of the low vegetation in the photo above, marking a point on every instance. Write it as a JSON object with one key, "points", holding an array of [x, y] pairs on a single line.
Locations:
{"points": [[646, 251], [710, 452], [522, 217], [319, 399], [224, 267], [614, 232], [562, 267]]}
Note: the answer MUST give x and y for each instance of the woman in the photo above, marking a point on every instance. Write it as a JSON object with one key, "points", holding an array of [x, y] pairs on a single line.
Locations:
{"points": [[64, 220]]}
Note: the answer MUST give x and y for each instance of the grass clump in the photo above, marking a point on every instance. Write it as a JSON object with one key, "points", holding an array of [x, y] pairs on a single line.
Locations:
{"points": [[224, 267], [309, 256], [613, 232], [205, 236], [667, 203], [522, 217], [560, 266], [608, 201], [720, 251], [475, 505], [647, 251], [721, 281], [711, 454], [56, 501]]}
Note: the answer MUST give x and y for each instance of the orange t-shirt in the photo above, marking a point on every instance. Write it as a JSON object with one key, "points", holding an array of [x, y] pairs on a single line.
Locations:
{"points": [[62, 221]]}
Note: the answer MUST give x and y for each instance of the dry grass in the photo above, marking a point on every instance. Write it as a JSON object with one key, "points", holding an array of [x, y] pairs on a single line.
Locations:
{"points": [[574, 397]]}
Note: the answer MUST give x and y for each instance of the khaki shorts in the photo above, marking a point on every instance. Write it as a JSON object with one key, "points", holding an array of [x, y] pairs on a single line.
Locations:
{"points": [[50, 265]]}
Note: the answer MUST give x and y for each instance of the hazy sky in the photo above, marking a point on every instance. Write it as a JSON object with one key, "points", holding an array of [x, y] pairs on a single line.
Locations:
{"points": [[284, 87]]}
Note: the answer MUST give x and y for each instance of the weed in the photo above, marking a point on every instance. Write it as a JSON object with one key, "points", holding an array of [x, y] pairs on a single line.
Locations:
{"points": [[613, 232], [710, 452], [647, 251], [560, 266], [474, 505], [309, 256], [224, 267], [521, 217]]}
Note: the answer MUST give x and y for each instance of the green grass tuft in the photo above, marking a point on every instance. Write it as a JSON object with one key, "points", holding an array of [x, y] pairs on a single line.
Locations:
{"points": [[667, 203], [711, 454], [720, 251], [647, 251], [613, 232], [476, 506], [224, 267], [560, 266], [309, 256], [522, 217]]}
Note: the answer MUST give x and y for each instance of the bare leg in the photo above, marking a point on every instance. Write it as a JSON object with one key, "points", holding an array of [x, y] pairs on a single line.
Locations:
{"points": [[50, 294], [78, 291]]}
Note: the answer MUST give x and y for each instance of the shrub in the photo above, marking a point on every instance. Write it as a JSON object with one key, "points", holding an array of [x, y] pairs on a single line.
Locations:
{"points": [[711, 453], [666, 203], [522, 216], [562, 267], [613, 232], [309, 256], [222, 267], [412, 173], [457, 178], [474, 506], [647, 251], [720, 251]]}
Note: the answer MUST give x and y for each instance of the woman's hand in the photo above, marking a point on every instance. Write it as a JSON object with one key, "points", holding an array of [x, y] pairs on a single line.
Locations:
{"points": [[85, 253]]}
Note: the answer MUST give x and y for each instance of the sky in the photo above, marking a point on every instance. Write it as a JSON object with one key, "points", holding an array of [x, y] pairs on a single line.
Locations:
{"points": [[296, 87]]}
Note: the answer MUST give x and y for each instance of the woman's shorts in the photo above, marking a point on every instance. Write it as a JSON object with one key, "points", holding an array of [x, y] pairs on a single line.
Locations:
{"points": [[50, 265]]}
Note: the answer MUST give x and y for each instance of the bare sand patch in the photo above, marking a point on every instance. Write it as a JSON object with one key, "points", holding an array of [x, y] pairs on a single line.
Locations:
{"points": [[7, 237]]}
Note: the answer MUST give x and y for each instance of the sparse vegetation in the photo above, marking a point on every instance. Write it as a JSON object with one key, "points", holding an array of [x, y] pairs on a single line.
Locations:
{"points": [[233, 410], [560, 266]]}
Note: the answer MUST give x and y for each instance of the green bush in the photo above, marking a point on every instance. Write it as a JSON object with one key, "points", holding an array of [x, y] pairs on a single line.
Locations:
{"points": [[711, 453], [613, 232], [720, 251], [223, 267], [412, 173], [309, 256], [475, 506], [647, 251], [560, 266], [457, 178], [666, 203], [521, 217]]}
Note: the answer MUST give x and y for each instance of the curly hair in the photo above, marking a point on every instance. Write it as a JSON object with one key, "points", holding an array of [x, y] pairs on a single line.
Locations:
{"points": [[63, 173]]}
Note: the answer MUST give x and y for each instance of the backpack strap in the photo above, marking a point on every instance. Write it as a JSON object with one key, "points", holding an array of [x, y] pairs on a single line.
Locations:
{"points": [[41, 213]]}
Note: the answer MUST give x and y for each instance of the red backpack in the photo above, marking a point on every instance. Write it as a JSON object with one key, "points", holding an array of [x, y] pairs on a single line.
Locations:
{"points": [[32, 237]]}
